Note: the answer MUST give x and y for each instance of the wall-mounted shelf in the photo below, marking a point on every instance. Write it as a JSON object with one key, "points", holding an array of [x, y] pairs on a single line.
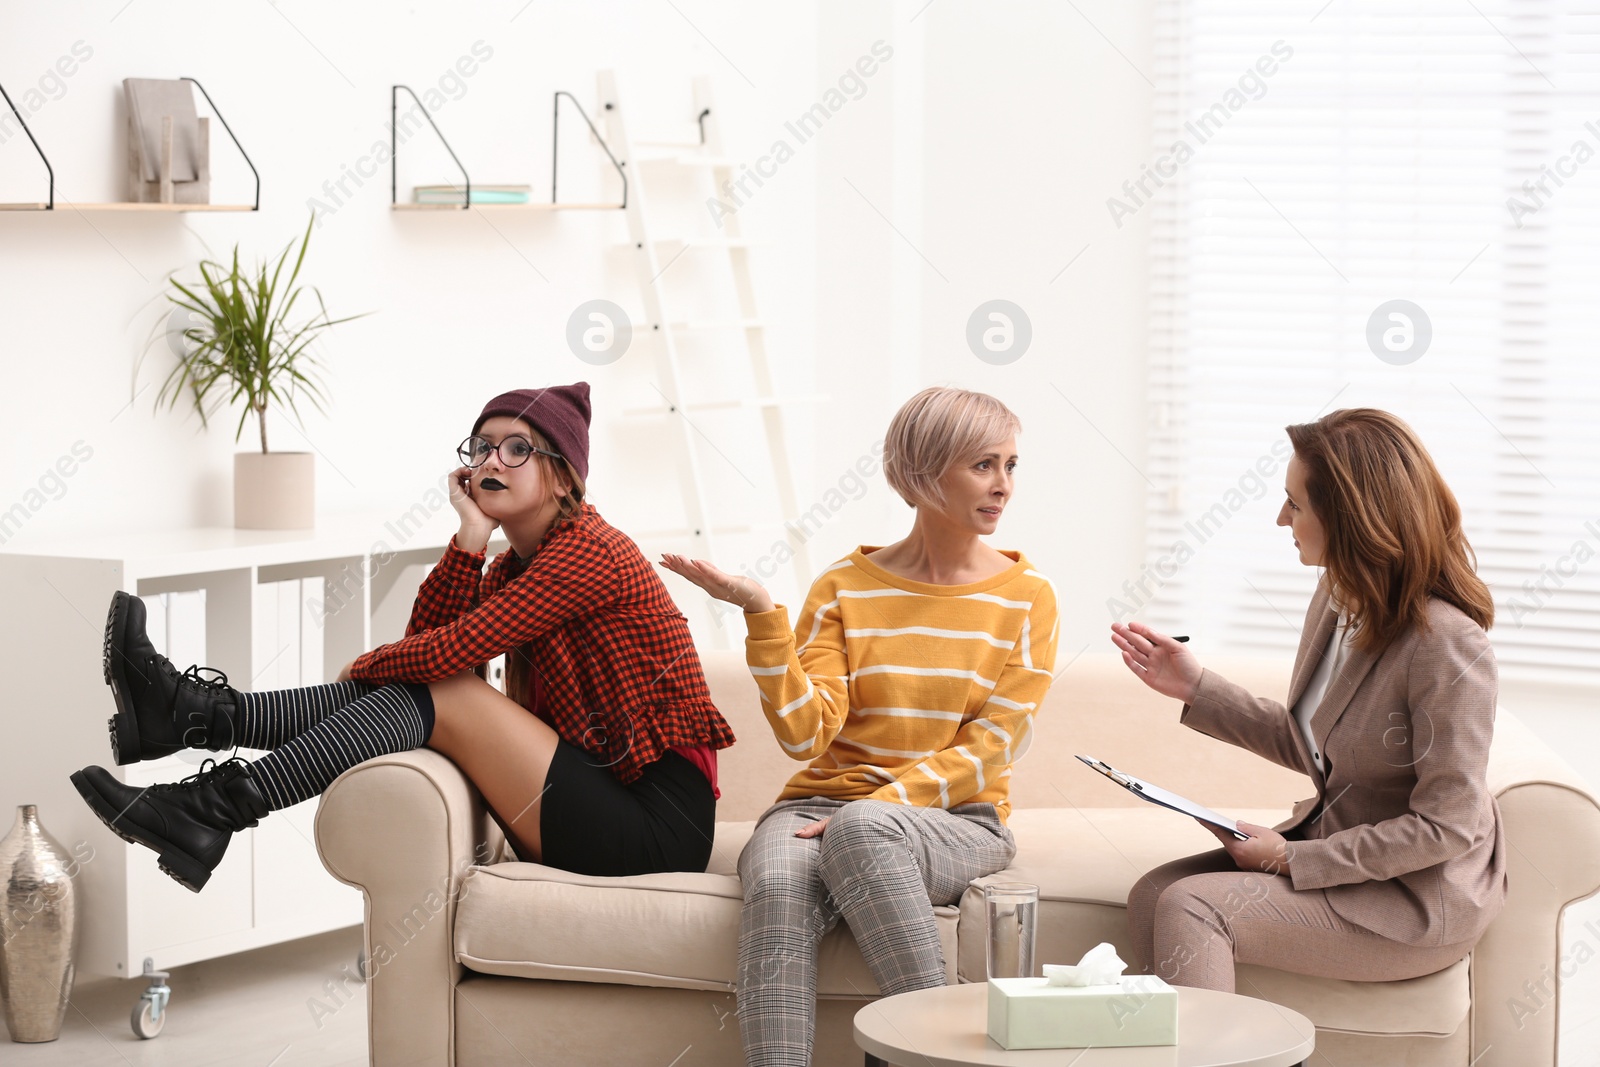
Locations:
{"points": [[170, 209], [466, 199], [497, 208], [50, 205]]}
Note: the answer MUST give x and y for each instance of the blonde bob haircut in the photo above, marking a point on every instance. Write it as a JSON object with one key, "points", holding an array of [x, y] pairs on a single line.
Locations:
{"points": [[933, 431]]}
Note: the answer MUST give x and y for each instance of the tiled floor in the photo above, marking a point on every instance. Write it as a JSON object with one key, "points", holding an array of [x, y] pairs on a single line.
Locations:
{"points": [[253, 1009], [259, 1009]]}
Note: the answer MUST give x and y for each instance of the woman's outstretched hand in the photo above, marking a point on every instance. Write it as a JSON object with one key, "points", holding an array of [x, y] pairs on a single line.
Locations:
{"points": [[1165, 665], [732, 588]]}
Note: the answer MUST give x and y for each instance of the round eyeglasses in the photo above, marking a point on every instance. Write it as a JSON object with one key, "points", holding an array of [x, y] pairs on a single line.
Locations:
{"points": [[513, 451]]}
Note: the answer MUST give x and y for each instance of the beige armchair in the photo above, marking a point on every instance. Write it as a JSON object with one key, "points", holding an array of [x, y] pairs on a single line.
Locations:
{"points": [[478, 961]]}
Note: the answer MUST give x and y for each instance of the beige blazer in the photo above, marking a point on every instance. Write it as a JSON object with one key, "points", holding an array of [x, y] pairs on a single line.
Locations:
{"points": [[1403, 834]]}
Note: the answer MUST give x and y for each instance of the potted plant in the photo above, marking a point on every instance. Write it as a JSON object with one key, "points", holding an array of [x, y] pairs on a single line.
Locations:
{"points": [[232, 336]]}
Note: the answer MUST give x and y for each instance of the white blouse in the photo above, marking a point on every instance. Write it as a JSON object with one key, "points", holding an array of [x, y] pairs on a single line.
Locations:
{"points": [[1333, 658]]}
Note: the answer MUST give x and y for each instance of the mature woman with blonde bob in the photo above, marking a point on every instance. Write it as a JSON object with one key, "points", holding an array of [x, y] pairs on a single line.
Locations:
{"points": [[908, 684], [1398, 864]]}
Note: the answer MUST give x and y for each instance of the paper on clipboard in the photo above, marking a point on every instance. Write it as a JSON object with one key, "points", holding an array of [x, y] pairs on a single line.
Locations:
{"points": [[1166, 798]]}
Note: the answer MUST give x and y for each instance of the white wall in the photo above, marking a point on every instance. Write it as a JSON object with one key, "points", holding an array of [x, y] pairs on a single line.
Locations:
{"points": [[991, 164], [980, 172], [462, 308]]}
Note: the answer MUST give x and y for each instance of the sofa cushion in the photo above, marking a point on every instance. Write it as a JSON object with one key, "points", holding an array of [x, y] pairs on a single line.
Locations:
{"points": [[681, 930], [1431, 1006], [671, 930], [1085, 862]]}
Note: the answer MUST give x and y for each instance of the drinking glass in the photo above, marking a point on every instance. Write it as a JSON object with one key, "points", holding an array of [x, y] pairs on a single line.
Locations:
{"points": [[1012, 913]]}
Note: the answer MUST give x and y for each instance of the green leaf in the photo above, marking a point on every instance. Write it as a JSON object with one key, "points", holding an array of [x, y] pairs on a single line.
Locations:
{"points": [[244, 348]]}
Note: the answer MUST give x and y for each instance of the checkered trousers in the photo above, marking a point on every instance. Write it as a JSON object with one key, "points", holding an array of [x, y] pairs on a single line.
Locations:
{"points": [[880, 866]]}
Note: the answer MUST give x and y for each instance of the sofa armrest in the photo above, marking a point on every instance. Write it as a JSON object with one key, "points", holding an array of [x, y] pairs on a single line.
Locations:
{"points": [[404, 829], [1552, 828]]}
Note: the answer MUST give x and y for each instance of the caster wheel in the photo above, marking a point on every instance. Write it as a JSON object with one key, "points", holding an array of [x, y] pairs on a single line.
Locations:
{"points": [[144, 1020], [150, 1010]]}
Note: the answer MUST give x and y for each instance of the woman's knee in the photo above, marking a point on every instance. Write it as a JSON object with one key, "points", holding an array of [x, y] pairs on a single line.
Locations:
{"points": [[774, 866], [455, 684], [1143, 896], [453, 698], [773, 882], [1148, 892], [863, 846], [862, 822], [1199, 905]]}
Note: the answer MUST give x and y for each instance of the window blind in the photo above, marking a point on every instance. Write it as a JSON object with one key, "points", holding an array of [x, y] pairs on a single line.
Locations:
{"points": [[1305, 173]]}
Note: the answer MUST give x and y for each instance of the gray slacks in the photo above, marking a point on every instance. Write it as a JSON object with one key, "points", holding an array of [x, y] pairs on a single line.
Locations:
{"points": [[881, 867]]}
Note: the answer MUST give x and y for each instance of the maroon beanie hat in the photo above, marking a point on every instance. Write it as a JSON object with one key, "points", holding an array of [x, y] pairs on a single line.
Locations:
{"points": [[560, 413]]}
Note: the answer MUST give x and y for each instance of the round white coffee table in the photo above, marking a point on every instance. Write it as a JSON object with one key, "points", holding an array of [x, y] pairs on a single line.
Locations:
{"points": [[948, 1027]]}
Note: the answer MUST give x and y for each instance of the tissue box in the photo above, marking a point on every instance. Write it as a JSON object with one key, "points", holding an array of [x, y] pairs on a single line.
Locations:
{"points": [[1025, 1013]]}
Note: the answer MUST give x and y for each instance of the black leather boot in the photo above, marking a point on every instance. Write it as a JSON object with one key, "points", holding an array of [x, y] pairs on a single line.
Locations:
{"points": [[188, 823], [159, 710]]}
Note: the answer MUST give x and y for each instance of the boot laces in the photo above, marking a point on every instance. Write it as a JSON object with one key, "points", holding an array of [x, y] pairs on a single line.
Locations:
{"points": [[208, 766], [193, 675], [206, 680]]}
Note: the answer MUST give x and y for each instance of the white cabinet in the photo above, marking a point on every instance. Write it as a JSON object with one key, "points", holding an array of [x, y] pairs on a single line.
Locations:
{"points": [[271, 609]]}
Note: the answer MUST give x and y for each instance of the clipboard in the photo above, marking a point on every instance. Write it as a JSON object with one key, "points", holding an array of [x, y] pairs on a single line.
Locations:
{"points": [[1156, 795]]}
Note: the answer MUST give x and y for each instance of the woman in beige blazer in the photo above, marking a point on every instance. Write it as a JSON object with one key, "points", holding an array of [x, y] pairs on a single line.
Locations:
{"points": [[1397, 865]]}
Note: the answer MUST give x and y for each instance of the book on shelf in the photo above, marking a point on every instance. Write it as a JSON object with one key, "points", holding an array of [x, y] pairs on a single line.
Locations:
{"points": [[481, 194]]}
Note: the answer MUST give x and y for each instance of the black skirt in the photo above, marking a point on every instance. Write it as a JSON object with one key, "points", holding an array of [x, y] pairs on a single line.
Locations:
{"points": [[590, 823]]}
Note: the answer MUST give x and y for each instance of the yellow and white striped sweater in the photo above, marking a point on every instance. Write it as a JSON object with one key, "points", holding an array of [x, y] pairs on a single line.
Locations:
{"points": [[903, 691]]}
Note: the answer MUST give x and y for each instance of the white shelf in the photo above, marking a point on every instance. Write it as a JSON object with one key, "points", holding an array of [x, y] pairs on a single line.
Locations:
{"points": [[701, 325], [497, 209], [734, 243], [57, 592], [734, 403], [64, 208], [677, 532], [685, 159], [208, 548]]}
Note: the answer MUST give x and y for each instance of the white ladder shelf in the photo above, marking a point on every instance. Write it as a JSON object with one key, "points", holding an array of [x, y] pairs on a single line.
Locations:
{"points": [[647, 245]]}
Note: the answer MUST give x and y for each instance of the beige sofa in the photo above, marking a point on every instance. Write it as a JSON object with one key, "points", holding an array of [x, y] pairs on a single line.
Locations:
{"points": [[480, 962]]}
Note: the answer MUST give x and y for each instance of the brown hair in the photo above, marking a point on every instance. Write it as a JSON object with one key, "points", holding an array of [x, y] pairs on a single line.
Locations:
{"points": [[1393, 527], [519, 660], [933, 431]]}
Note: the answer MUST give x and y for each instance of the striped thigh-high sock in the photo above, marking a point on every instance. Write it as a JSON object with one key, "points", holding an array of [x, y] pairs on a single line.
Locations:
{"points": [[275, 717], [390, 718]]}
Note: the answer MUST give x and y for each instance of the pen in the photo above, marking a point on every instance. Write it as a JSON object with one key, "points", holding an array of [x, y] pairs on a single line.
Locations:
{"points": [[1181, 637]]}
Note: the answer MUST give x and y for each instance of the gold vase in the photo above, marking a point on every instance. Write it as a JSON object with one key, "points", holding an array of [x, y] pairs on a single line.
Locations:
{"points": [[38, 929]]}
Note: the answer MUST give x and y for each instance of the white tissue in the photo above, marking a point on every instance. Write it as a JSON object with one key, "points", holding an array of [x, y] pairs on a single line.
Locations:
{"points": [[1100, 966]]}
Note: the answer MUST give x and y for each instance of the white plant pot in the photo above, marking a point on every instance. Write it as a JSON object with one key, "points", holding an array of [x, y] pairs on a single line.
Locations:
{"points": [[274, 490]]}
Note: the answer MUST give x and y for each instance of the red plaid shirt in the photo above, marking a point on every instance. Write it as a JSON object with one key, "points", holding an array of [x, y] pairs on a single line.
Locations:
{"points": [[619, 672]]}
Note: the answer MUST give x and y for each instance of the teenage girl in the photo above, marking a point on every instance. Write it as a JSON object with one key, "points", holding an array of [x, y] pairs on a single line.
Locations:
{"points": [[602, 760], [909, 686]]}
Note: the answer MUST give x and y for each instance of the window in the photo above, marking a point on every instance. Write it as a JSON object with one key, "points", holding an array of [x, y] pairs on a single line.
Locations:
{"points": [[1304, 176]]}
